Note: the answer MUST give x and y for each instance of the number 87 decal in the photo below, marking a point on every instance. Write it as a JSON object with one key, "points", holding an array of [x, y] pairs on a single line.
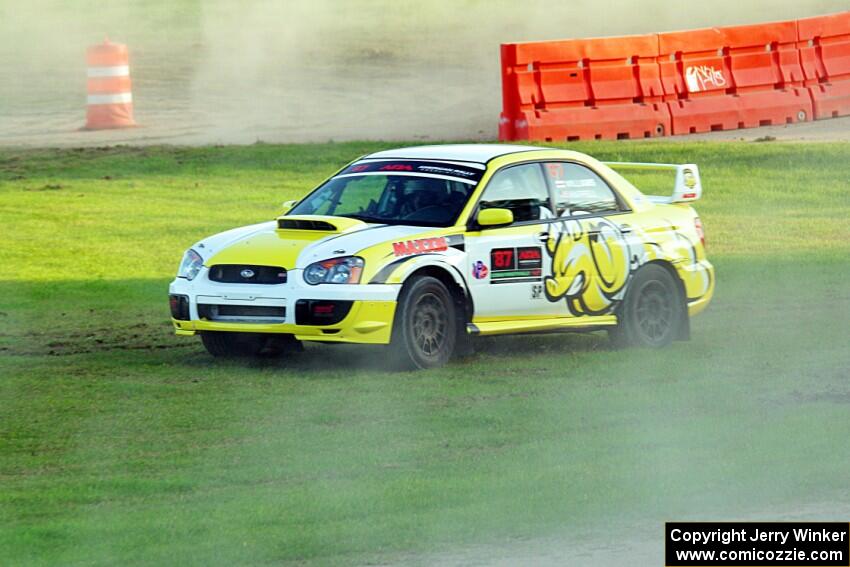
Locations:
{"points": [[502, 258]]}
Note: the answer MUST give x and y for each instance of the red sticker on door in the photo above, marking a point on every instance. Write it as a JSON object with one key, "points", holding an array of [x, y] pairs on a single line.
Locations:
{"points": [[479, 270], [511, 265]]}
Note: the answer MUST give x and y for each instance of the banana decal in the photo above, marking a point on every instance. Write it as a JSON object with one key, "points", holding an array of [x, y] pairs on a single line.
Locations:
{"points": [[592, 261], [589, 266]]}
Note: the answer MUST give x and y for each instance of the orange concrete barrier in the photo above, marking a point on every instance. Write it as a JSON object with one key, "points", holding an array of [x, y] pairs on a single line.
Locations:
{"points": [[676, 83], [824, 44], [110, 98], [735, 77], [582, 89]]}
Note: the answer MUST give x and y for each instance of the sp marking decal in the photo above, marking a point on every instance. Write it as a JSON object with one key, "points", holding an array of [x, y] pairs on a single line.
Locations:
{"points": [[479, 270], [420, 246], [537, 291]]}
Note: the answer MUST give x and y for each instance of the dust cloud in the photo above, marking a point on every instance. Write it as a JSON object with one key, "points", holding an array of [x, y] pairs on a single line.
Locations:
{"points": [[217, 71]]}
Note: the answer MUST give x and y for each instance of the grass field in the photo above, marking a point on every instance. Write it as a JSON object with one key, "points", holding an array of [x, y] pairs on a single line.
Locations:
{"points": [[120, 443]]}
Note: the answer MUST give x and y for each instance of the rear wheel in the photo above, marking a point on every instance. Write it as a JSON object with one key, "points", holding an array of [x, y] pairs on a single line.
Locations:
{"points": [[425, 327], [653, 311]]}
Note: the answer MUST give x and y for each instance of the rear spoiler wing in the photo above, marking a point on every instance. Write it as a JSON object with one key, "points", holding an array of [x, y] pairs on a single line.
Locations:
{"points": [[686, 188]]}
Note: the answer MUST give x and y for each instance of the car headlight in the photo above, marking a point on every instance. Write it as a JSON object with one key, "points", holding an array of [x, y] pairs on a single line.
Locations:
{"points": [[345, 270], [191, 265]]}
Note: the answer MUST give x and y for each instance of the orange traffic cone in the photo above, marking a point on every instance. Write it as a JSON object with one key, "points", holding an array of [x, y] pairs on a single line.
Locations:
{"points": [[110, 100]]}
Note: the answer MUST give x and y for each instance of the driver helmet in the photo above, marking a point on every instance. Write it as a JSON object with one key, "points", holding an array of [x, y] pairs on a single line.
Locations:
{"points": [[421, 193]]}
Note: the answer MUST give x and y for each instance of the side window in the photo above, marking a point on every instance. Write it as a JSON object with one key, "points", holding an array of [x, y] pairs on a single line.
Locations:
{"points": [[522, 189], [579, 191]]}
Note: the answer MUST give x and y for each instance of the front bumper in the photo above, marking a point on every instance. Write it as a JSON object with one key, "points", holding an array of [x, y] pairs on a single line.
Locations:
{"points": [[369, 319]]}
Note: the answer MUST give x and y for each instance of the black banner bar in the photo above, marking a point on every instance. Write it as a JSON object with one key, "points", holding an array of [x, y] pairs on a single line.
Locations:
{"points": [[803, 544]]}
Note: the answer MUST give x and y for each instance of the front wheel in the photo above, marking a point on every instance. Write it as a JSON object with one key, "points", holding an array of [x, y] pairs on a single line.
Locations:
{"points": [[653, 311], [425, 329]]}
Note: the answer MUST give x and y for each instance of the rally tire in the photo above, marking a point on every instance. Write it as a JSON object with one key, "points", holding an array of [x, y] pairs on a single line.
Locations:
{"points": [[653, 311], [425, 326], [233, 345]]}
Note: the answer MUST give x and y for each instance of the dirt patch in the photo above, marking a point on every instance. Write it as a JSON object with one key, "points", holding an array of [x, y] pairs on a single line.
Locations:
{"points": [[140, 336], [48, 187], [205, 73], [833, 130], [834, 395]]}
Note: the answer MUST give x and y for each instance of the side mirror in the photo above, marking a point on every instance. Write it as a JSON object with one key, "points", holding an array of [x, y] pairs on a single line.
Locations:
{"points": [[495, 217], [287, 205]]}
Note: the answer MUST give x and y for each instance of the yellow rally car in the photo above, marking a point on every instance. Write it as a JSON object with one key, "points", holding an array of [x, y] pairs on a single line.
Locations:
{"points": [[423, 248]]}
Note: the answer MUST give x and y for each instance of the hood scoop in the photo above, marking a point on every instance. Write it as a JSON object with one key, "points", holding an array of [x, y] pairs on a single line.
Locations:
{"points": [[316, 223], [301, 224]]}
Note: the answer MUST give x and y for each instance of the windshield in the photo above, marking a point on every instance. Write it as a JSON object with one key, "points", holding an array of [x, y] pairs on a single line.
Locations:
{"points": [[395, 192]]}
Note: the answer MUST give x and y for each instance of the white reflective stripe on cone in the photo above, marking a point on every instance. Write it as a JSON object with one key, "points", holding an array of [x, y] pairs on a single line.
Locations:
{"points": [[114, 71], [110, 98]]}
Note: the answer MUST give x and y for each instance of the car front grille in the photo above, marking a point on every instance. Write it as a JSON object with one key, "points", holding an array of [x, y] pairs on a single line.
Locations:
{"points": [[247, 274], [242, 313]]}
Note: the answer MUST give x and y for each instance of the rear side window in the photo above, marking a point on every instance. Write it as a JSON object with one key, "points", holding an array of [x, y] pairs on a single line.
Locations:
{"points": [[579, 190], [522, 189]]}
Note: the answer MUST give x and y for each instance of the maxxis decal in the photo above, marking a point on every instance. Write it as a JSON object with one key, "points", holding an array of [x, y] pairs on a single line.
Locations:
{"points": [[420, 246], [437, 245]]}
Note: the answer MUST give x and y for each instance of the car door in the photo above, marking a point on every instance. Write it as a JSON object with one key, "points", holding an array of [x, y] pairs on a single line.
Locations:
{"points": [[589, 251], [505, 264]]}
